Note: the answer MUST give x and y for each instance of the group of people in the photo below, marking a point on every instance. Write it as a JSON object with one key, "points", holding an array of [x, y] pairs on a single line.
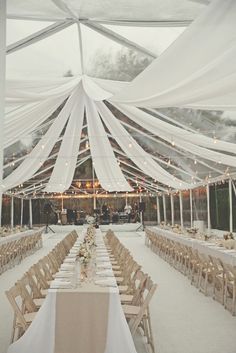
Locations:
{"points": [[126, 213]]}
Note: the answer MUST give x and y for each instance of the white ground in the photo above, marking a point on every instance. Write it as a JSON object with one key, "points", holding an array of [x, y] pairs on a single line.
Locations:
{"points": [[183, 320]]}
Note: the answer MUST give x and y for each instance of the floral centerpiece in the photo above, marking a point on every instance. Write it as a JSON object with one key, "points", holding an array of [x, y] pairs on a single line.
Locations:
{"points": [[84, 254], [177, 228], [229, 242], [89, 238], [192, 231], [228, 236], [7, 230]]}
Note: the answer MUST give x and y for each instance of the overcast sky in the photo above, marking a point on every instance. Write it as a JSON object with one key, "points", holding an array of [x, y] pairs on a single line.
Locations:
{"points": [[59, 53]]}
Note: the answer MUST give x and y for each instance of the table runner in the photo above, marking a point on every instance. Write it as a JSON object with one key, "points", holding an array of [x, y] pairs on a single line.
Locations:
{"points": [[76, 313], [88, 319]]}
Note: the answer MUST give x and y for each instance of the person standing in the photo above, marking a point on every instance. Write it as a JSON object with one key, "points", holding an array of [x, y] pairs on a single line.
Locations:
{"points": [[128, 210]]}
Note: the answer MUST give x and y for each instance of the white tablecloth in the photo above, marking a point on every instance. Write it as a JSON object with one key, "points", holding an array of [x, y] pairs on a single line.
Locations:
{"points": [[16, 236], [41, 336], [205, 247]]}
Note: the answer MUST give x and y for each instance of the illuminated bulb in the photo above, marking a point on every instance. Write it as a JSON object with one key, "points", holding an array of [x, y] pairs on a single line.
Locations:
{"points": [[173, 143], [130, 145], [195, 162]]}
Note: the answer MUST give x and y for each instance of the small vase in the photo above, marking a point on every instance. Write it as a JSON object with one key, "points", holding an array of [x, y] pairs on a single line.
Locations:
{"points": [[77, 273], [83, 271]]}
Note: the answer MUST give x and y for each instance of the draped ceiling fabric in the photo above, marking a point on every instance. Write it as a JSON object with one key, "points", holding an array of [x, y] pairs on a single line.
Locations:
{"points": [[197, 70]]}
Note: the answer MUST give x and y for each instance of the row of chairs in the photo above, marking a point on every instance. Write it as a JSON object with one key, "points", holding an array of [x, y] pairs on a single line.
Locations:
{"points": [[136, 288], [209, 274], [28, 294], [13, 252]]}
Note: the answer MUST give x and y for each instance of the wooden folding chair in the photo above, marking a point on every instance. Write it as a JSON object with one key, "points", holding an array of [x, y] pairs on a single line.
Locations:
{"points": [[23, 313], [139, 315]]}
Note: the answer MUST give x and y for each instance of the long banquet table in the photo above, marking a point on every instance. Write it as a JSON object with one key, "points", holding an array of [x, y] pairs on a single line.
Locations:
{"points": [[205, 247], [85, 319], [16, 236]]}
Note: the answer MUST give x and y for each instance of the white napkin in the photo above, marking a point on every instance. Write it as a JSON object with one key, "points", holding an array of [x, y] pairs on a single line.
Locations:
{"points": [[105, 273], [67, 267], [102, 258], [101, 251], [104, 265], [57, 283], [106, 282], [63, 274], [69, 260], [72, 256]]}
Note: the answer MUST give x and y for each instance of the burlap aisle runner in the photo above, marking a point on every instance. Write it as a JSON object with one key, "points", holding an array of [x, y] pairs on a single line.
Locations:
{"points": [[81, 321]]}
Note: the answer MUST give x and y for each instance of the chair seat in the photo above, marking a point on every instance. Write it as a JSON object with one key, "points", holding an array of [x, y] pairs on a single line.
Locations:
{"points": [[119, 279], [114, 262], [130, 310], [126, 298], [116, 267], [29, 317], [44, 292], [117, 273], [123, 289], [38, 302]]}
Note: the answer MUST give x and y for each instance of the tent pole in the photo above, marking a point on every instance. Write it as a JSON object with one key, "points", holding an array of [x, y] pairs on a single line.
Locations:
{"points": [[164, 206], [12, 212], [181, 209], [172, 209], [21, 211], [191, 207], [30, 214], [208, 210], [140, 213], [158, 210], [81, 48], [2, 91], [230, 207], [94, 194]]}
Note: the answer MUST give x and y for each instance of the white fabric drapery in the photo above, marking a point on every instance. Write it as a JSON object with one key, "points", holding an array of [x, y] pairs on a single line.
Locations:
{"points": [[41, 151], [64, 168], [105, 164], [197, 70], [135, 152], [149, 122]]}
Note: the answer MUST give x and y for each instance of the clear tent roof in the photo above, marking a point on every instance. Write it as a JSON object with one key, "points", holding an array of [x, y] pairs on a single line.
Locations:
{"points": [[121, 18], [122, 11]]}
